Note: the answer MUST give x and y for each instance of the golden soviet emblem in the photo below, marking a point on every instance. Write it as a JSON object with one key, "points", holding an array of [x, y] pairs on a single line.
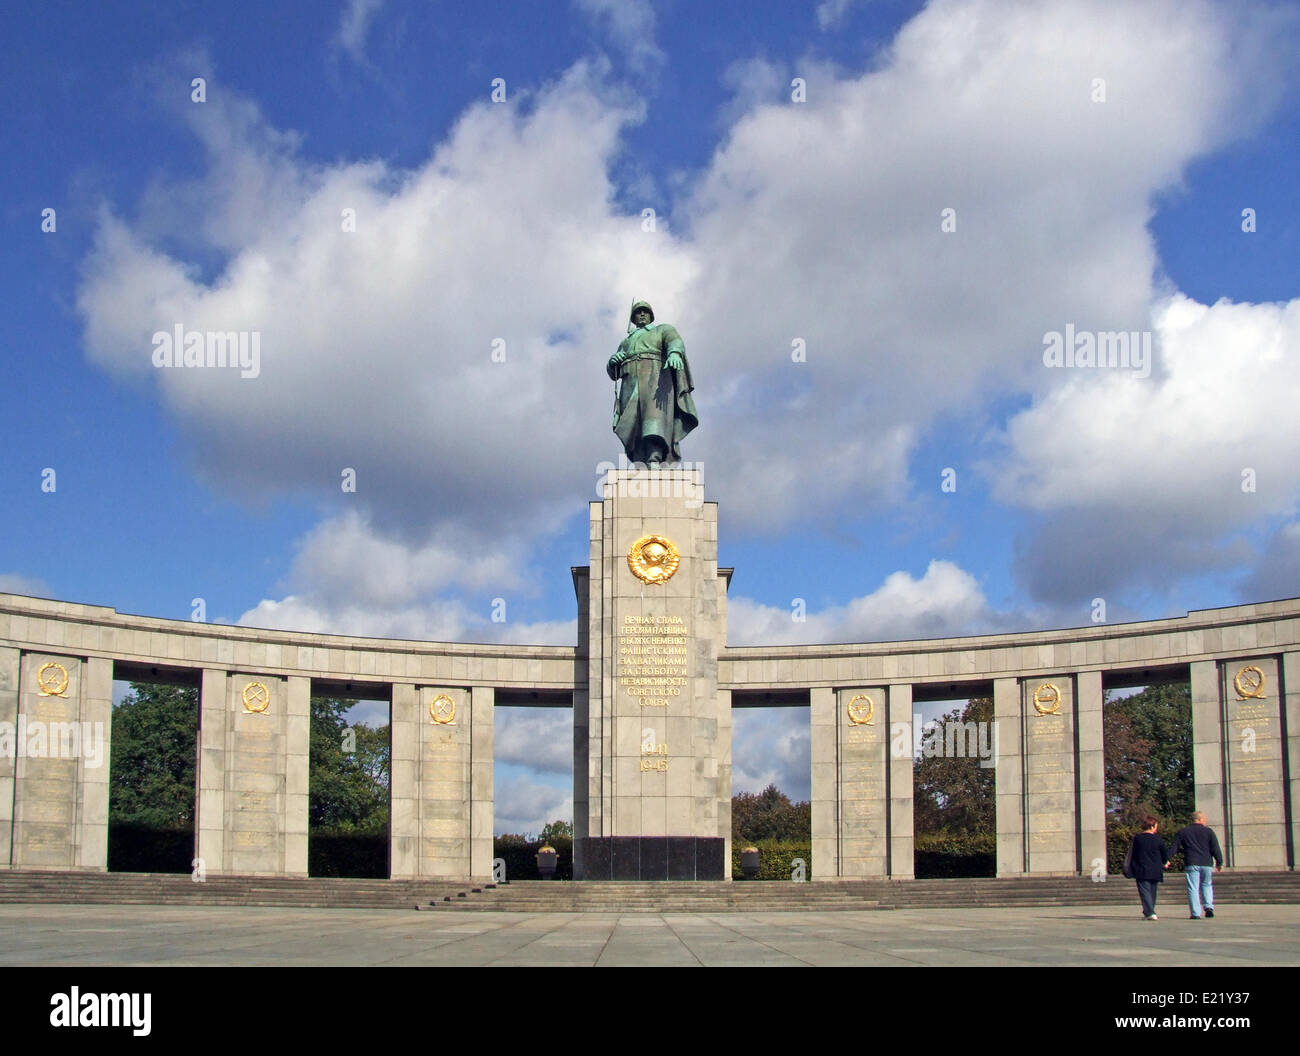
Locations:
{"points": [[442, 709], [653, 559], [256, 697], [1249, 682], [861, 708], [1047, 699], [52, 679]]}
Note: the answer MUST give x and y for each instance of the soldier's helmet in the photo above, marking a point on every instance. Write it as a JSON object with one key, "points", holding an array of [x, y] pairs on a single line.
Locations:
{"points": [[641, 304]]}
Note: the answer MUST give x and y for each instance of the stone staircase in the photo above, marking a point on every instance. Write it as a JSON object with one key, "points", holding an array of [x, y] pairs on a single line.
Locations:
{"points": [[177, 889], [536, 896], [777, 896]]}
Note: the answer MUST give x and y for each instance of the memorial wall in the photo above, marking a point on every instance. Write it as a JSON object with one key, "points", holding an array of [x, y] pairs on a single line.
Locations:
{"points": [[652, 685]]}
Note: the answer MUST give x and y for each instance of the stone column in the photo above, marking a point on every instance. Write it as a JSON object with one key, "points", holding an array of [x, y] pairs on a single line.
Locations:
{"points": [[724, 774], [1091, 771], [825, 784], [8, 760], [481, 804], [582, 708], [862, 728], [1207, 746], [1291, 685], [404, 785], [581, 779], [653, 728], [1257, 822], [445, 781], [214, 734], [1009, 778], [93, 765], [1051, 806], [902, 841], [257, 794], [297, 769], [45, 826]]}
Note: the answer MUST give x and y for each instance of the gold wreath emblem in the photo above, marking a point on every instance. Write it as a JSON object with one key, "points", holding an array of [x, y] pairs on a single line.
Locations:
{"points": [[256, 697], [56, 686], [1249, 682], [442, 709], [860, 713], [653, 559], [1047, 699]]}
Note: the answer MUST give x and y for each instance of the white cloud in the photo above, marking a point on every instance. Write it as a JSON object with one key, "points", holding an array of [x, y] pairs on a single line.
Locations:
{"points": [[816, 221], [29, 586], [1136, 478], [630, 26], [830, 13], [1278, 572], [821, 222], [377, 345], [771, 746], [541, 738], [436, 621], [946, 601], [526, 806], [357, 18], [345, 559]]}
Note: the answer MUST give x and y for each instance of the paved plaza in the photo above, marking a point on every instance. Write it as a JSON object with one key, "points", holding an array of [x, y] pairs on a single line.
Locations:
{"points": [[1041, 937]]}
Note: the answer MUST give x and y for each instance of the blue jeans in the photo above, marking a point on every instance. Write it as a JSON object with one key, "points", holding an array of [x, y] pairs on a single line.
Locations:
{"points": [[1200, 887]]}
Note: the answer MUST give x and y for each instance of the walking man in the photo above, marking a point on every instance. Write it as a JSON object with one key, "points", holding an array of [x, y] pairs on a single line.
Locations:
{"points": [[1202, 859]]}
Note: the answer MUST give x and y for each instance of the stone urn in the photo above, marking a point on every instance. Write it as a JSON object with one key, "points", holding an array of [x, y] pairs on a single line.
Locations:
{"points": [[546, 862], [749, 862]]}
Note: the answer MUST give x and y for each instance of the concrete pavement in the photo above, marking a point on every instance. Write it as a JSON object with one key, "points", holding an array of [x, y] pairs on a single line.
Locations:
{"points": [[1050, 936]]}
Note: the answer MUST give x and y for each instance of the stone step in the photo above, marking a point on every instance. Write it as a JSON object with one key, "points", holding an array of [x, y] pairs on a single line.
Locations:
{"points": [[536, 896]]}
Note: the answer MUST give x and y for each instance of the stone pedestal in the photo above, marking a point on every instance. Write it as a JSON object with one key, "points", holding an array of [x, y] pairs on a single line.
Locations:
{"points": [[1051, 807], [445, 780], [648, 733], [1291, 714], [862, 728], [1253, 755], [9, 659], [254, 732], [1009, 778], [54, 766]]}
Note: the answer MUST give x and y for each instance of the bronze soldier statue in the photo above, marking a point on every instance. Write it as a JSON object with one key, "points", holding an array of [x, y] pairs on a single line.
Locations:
{"points": [[653, 409]]}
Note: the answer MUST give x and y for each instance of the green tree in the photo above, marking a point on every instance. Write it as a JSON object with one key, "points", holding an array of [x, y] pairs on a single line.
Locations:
{"points": [[955, 794], [556, 830], [153, 756], [769, 815], [1148, 752], [348, 789]]}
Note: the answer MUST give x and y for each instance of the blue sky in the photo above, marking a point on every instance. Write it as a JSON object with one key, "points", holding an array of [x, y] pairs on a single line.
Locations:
{"points": [[1098, 159]]}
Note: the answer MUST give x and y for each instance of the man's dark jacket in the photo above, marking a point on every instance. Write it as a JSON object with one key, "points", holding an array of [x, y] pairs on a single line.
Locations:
{"points": [[1199, 845], [1149, 857]]}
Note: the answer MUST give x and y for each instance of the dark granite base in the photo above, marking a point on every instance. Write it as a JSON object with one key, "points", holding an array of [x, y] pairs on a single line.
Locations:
{"points": [[681, 858], [627, 857], [653, 858], [597, 860]]}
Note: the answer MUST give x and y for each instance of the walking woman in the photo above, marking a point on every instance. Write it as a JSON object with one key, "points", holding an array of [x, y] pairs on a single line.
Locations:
{"points": [[1148, 858]]}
